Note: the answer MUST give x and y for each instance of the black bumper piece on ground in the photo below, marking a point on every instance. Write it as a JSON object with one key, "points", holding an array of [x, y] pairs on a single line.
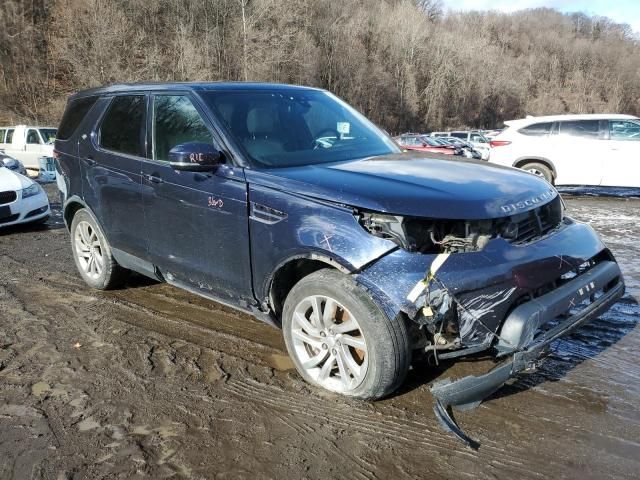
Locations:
{"points": [[469, 391]]}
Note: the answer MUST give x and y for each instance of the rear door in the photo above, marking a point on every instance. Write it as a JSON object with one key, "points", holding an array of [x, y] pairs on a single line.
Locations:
{"points": [[623, 159], [111, 160], [578, 151], [197, 223]]}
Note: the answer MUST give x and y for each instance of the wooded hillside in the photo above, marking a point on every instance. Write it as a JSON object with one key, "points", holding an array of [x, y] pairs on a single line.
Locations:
{"points": [[403, 63]]}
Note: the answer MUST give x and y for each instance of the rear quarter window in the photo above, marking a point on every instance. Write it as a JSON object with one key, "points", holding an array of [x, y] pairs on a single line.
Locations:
{"points": [[122, 128], [536, 129], [73, 116]]}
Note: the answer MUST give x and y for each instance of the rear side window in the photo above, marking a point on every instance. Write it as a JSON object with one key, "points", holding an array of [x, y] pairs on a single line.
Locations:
{"points": [[536, 129], [122, 128], [9, 138], [462, 135], [624, 130], [2, 132], [73, 115], [581, 128]]}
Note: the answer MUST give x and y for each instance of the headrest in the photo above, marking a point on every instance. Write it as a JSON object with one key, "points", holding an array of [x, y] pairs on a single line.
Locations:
{"points": [[260, 120]]}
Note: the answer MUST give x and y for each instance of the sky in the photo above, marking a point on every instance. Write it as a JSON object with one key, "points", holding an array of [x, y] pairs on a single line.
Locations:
{"points": [[620, 11]]}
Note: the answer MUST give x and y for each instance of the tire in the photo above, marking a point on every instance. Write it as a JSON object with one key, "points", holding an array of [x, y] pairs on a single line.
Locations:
{"points": [[539, 169], [375, 356], [92, 254]]}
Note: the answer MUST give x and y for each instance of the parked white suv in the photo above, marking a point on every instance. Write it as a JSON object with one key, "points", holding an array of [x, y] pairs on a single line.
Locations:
{"points": [[475, 138], [594, 149], [27, 143]]}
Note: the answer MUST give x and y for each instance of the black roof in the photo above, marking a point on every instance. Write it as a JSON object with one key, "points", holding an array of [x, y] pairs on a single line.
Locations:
{"points": [[194, 86]]}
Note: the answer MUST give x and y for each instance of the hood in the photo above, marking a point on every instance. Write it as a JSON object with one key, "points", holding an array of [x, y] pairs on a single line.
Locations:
{"points": [[415, 184], [10, 180]]}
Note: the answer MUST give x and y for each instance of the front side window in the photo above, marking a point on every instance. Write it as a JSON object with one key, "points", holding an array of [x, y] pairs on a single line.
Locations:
{"points": [[291, 127], [122, 128], [33, 137], [176, 121], [580, 128], [624, 130], [536, 129], [48, 134]]}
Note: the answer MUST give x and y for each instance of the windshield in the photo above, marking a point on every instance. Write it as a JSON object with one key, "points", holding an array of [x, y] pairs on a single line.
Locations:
{"points": [[287, 128], [48, 134]]}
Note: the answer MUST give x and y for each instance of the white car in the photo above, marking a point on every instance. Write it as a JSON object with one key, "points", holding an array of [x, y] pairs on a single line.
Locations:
{"points": [[593, 149], [21, 199]]}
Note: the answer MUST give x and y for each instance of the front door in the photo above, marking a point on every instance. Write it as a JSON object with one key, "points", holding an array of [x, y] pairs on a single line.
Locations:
{"points": [[623, 160], [197, 223], [33, 148]]}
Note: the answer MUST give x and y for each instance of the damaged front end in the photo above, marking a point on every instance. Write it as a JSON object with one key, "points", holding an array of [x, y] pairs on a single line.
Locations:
{"points": [[507, 287]]}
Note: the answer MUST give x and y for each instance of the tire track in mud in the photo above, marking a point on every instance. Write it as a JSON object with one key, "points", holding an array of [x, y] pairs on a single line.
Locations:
{"points": [[385, 427], [215, 328]]}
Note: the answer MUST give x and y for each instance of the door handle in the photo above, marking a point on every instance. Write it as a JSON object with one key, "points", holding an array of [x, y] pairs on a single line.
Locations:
{"points": [[152, 178], [90, 161]]}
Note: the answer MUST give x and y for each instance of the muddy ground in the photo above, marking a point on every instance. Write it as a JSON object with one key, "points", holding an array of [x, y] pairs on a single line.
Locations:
{"points": [[153, 382]]}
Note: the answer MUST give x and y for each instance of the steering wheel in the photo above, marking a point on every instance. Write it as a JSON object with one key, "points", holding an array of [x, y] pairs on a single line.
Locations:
{"points": [[322, 134]]}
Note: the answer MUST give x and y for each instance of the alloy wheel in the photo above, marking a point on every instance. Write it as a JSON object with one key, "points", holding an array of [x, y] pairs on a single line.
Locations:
{"points": [[89, 250], [329, 344]]}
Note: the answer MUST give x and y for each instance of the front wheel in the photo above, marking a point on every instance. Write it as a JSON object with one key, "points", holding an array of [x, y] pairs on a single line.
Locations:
{"points": [[539, 170], [339, 339]]}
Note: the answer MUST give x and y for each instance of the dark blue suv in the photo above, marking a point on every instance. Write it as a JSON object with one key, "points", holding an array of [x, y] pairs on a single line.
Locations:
{"points": [[286, 203]]}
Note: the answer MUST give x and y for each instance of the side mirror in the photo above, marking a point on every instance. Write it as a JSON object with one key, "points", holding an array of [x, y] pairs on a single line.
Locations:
{"points": [[194, 157]]}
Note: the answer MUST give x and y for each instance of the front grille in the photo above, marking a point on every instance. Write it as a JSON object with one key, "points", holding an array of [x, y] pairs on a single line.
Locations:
{"points": [[528, 226], [7, 197]]}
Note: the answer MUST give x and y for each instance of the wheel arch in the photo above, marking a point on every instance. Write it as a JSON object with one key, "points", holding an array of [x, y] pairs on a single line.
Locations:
{"points": [[71, 207], [293, 269]]}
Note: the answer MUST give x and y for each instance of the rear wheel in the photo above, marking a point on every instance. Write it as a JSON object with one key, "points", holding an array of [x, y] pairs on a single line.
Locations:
{"points": [[340, 340], [92, 254], [540, 170]]}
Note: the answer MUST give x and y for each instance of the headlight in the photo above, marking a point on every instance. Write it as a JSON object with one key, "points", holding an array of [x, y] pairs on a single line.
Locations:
{"points": [[31, 190]]}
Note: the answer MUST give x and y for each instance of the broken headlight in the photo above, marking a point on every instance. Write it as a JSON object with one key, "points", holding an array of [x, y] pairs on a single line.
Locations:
{"points": [[429, 235]]}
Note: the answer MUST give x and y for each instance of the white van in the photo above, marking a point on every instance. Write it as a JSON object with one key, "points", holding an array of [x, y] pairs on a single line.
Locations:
{"points": [[27, 143], [590, 149]]}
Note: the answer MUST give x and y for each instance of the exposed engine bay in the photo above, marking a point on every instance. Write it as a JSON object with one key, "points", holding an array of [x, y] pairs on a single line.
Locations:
{"points": [[424, 235]]}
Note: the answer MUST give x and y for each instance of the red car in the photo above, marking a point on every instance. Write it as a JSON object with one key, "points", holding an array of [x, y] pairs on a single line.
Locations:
{"points": [[424, 143]]}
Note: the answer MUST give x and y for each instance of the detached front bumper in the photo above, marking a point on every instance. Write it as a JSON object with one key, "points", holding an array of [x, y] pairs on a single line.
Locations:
{"points": [[511, 300], [468, 391]]}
